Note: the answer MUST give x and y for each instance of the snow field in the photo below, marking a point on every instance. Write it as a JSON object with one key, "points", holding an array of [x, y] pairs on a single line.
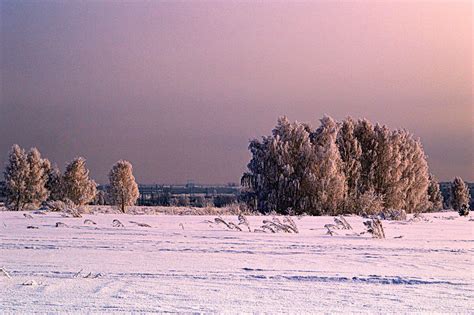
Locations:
{"points": [[186, 264]]}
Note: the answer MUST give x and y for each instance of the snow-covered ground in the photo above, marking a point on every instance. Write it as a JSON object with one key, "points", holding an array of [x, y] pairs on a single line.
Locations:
{"points": [[185, 264]]}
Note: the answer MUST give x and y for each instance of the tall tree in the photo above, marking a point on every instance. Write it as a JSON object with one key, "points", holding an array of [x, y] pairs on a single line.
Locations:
{"points": [[36, 191], [293, 153], [123, 188], [16, 176], [78, 187], [351, 154], [365, 134], [329, 182], [460, 196], [279, 171], [399, 170], [414, 173], [54, 183], [435, 197]]}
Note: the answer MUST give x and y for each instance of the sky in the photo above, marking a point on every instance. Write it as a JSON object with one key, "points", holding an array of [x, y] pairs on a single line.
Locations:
{"points": [[178, 88]]}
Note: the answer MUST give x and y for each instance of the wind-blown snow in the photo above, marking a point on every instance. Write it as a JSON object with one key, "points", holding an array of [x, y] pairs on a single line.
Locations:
{"points": [[204, 268]]}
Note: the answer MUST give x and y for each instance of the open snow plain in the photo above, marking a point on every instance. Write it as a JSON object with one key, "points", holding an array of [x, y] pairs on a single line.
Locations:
{"points": [[185, 264]]}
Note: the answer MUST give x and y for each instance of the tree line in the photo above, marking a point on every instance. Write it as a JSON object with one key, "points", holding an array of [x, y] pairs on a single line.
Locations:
{"points": [[31, 180], [343, 167]]}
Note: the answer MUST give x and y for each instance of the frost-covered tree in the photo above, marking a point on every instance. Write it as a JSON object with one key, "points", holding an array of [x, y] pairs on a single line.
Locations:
{"points": [[328, 188], [460, 196], [435, 197], [328, 170], [396, 168], [365, 134], [412, 173], [279, 176], [293, 154], [36, 191], [54, 184], [16, 177], [123, 188], [78, 187], [351, 153], [46, 166], [386, 161]]}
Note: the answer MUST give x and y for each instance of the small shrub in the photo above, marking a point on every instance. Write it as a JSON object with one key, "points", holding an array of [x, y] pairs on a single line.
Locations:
{"points": [[58, 205], [464, 210], [369, 203], [392, 214]]}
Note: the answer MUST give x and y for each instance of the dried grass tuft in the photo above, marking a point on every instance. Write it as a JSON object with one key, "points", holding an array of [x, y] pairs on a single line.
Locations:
{"points": [[375, 228], [117, 223], [89, 222], [140, 224], [4, 272]]}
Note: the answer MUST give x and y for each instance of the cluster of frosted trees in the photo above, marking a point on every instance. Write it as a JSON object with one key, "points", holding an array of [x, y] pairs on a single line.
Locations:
{"points": [[340, 167], [351, 166], [31, 180]]}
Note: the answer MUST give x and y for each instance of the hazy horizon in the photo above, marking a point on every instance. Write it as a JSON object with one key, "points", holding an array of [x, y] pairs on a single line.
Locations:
{"points": [[179, 88]]}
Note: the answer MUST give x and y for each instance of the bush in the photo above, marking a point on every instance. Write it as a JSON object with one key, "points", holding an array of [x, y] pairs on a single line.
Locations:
{"points": [[58, 205], [464, 211], [392, 214], [201, 202], [224, 200], [367, 204]]}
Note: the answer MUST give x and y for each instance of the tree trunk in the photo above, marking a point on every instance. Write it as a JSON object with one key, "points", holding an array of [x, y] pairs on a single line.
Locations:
{"points": [[17, 206]]}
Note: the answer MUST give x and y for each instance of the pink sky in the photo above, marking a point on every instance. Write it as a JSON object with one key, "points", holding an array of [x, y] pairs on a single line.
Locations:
{"points": [[178, 88]]}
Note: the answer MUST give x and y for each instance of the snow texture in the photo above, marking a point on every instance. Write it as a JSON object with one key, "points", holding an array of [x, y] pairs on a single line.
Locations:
{"points": [[190, 264]]}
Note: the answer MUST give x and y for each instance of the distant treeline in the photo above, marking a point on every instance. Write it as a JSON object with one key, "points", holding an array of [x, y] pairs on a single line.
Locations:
{"points": [[217, 196], [31, 180], [184, 195], [343, 167], [446, 191]]}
